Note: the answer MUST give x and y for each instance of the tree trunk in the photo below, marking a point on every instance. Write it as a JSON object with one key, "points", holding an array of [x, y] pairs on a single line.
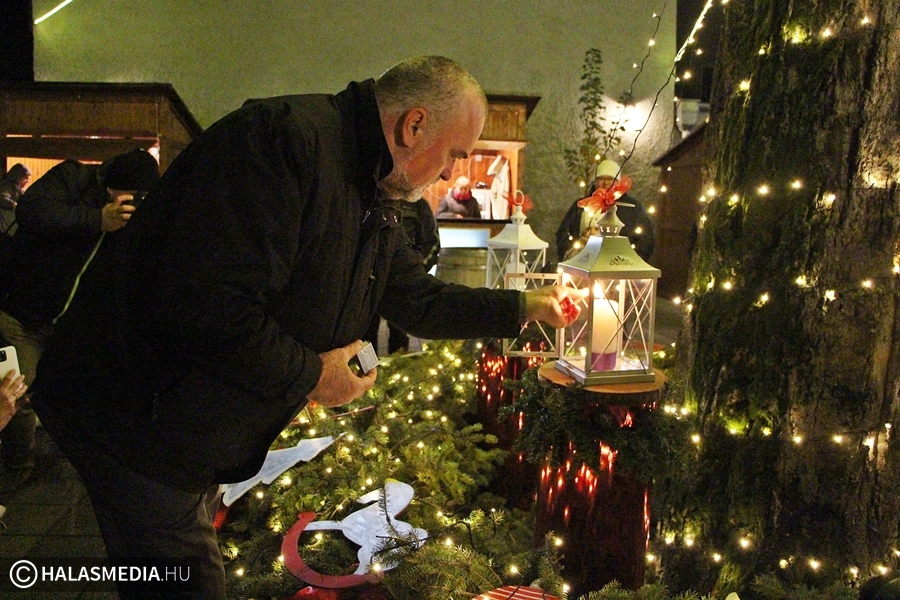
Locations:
{"points": [[791, 349]]}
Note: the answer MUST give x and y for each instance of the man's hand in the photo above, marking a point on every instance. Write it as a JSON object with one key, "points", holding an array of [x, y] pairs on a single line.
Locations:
{"points": [[115, 215], [554, 304], [338, 383]]}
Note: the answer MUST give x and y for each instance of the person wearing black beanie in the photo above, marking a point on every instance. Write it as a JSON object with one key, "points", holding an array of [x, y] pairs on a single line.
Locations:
{"points": [[134, 171], [63, 219]]}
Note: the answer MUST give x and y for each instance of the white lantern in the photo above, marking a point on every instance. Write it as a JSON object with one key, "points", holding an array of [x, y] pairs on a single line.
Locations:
{"points": [[612, 339], [516, 257], [516, 249], [535, 338]]}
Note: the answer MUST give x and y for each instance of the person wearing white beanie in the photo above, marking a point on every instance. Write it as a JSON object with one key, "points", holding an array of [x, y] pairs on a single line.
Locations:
{"points": [[578, 224]]}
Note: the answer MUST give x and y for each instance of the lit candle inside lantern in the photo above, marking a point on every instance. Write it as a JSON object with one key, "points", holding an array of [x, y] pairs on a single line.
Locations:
{"points": [[605, 332]]}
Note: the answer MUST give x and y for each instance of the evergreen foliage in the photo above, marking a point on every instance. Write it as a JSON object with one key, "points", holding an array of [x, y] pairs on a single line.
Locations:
{"points": [[416, 426], [614, 591], [556, 419], [597, 139]]}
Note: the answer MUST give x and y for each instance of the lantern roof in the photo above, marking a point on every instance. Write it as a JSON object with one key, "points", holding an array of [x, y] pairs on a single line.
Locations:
{"points": [[609, 257], [517, 234]]}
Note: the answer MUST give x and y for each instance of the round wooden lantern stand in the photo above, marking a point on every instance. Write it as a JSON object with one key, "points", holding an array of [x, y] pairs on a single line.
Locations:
{"points": [[602, 514]]}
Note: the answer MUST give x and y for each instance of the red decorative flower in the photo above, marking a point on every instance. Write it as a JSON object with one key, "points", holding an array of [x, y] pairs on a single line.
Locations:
{"points": [[602, 199], [520, 199]]}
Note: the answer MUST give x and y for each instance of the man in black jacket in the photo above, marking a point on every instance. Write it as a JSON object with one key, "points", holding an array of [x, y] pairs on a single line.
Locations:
{"points": [[248, 276], [62, 220]]}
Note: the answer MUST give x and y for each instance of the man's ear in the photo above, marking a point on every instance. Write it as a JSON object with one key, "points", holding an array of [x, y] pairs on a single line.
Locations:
{"points": [[412, 127]]}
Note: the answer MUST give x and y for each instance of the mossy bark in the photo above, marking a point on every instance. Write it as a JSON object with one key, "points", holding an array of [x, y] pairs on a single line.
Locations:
{"points": [[794, 330]]}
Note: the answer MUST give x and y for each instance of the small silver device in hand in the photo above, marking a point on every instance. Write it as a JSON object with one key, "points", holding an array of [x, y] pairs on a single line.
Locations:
{"points": [[367, 358]]}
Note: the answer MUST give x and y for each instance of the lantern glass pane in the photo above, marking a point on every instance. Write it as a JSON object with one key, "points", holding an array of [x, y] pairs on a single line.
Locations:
{"points": [[503, 261], [612, 339], [576, 340], [535, 338]]}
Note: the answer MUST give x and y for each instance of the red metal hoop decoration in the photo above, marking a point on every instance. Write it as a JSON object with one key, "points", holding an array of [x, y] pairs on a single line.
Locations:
{"points": [[290, 549]]}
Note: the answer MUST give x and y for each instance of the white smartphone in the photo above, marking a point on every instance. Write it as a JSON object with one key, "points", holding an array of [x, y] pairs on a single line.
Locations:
{"points": [[9, 361]]}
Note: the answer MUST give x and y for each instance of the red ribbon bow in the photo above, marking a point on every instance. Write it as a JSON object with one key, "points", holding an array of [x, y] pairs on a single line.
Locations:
{"points": [[520, 199], [602, 199]]}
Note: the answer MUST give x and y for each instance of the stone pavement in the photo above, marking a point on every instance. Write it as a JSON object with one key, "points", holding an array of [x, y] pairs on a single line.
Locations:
{"points": [[50, 516]]}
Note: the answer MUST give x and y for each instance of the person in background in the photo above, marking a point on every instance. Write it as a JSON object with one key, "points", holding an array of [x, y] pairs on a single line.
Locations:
{"points": [[249, 275], [12, 390], [458, 202], [62, 219], [11, 187], [422, 236], [579, 224]]}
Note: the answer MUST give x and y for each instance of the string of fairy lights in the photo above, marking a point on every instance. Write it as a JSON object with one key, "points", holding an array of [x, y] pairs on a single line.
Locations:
{"points": [[793, 35], [351, 447], [629, 93], [869, 439], [873, 439]]}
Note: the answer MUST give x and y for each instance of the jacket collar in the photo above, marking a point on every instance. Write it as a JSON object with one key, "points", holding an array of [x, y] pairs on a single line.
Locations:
{"points": [[362, 124]]}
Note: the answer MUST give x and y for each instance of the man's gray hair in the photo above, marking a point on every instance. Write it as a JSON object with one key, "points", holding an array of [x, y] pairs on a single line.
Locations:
{"points": [[436, 83]]}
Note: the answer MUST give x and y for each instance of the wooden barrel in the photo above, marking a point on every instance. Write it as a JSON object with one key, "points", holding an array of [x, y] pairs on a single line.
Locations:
{"points": [[466, 266]]}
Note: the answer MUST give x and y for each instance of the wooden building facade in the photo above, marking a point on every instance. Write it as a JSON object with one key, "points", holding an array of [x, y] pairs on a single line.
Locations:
{"points": [[681, 181], [503, 136], [92, 121]]}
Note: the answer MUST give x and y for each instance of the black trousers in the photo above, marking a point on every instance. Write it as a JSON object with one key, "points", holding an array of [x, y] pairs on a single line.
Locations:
{"points": [[143, 521]]}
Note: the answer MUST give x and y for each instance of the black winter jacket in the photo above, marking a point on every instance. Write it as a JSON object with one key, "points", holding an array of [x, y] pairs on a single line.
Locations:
{"points": [[632, 217], [58, 220], [262, 245]]}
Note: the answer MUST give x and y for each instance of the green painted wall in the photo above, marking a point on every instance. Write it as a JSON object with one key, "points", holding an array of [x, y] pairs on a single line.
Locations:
{"points": [[219, 53]]}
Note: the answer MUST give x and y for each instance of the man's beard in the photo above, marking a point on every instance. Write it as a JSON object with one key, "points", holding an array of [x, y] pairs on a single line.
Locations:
{"points": [[397, 186]]}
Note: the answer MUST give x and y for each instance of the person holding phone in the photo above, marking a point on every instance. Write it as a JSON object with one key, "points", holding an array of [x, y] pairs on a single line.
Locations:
{"points": [[12, 383], [12, 388], [12, 392], [62, 220]]}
